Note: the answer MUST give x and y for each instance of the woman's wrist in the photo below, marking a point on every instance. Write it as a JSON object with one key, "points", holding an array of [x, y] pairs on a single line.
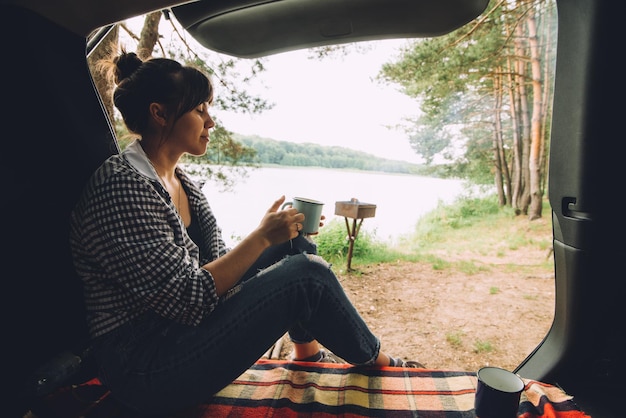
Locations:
{"points": [[259, 238]]}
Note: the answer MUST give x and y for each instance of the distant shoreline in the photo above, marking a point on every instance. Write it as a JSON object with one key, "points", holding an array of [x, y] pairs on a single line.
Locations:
{"points": [[192, 168]]}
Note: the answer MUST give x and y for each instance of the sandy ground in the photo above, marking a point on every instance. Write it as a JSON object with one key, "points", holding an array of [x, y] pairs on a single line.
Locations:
{"points": [[449, 319]]}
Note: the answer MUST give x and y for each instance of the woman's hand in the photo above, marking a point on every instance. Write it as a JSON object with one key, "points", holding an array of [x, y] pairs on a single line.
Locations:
{"points": [[278, 226]]}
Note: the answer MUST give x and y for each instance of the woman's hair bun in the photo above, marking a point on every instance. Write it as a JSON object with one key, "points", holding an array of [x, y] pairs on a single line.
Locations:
{"points": [[125, 65]]}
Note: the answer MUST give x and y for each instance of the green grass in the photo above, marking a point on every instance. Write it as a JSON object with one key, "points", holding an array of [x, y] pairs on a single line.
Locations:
{"points": [[469, 225], [455, 339], [482, 347], [333, 245]]}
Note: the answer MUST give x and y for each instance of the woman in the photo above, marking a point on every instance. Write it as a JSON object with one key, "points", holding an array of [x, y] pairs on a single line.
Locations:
{"points": [[175, 316]]}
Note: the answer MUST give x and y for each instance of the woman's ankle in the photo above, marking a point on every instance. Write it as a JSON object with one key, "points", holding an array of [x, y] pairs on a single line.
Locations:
{"points": [[305, 350], [314, 358], [382, 360]]}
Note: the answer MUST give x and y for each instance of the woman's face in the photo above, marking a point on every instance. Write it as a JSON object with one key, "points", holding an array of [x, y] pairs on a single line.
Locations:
{"points": [[191, 131]]}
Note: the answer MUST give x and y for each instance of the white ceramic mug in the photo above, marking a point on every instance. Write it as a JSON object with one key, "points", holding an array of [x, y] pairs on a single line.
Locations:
{"points": [[312, 210]]}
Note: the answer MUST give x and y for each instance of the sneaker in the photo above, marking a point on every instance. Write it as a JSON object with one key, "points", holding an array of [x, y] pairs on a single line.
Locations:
{"points": [[322, 356], [411, 364], [328, 357]]}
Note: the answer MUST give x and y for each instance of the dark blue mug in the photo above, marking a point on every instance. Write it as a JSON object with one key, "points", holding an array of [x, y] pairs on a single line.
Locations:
{"points": [[498, 393]]}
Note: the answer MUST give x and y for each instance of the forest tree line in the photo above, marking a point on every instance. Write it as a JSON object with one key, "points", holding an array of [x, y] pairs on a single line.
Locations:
{"points": [[274, 152]]}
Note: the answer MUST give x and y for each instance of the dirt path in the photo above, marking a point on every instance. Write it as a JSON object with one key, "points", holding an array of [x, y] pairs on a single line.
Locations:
{"points": [[450, 319]]}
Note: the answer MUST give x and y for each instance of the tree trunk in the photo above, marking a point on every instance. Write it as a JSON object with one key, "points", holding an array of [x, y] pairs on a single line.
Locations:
{"points": [[548, 68], [523, 113], [149, 35], [536, 137], [497, 171], [515, 133], [503, 179]]}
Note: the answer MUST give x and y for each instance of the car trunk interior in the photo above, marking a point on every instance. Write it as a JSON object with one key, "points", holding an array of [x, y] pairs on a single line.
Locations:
{"points": [[58, 133]]}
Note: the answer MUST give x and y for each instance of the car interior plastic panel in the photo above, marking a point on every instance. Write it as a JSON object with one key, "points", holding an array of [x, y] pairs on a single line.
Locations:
{"points": [[584, 350], [55, 135], [255, 28]]}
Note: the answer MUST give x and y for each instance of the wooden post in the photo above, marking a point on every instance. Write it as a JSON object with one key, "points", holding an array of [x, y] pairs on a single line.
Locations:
{"points": [[352, 234], [356, 211]]}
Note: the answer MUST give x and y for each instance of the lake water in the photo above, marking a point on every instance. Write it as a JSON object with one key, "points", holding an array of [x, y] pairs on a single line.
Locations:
{"points": [[400, 199]]}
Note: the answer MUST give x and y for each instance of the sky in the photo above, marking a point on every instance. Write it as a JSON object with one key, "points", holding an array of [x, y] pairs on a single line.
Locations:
{"points": [[332, 101]]}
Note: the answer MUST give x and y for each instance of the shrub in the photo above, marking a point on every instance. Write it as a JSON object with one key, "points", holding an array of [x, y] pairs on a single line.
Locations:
{"points": [[333, 244]]}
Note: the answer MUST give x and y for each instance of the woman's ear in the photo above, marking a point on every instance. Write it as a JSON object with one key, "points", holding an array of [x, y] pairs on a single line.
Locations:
{"points": [[158, 113]]}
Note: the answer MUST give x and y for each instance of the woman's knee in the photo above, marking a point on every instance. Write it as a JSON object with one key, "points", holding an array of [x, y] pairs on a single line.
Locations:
{"points": [[300, 267], [309, 262]]}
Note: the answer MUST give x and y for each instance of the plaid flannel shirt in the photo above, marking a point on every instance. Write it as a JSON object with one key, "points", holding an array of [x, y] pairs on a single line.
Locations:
{"points": [[132, 251]]}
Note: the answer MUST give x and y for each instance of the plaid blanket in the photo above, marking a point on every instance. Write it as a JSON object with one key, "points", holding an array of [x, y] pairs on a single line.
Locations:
{"points": [[279, 388]]}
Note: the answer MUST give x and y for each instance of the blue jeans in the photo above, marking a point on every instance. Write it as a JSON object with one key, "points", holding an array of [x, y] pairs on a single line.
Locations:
{"points": [[157, 366]]}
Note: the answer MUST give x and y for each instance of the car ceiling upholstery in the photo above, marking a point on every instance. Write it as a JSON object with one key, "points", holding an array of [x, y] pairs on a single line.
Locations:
{"points": [[270, 25]]}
